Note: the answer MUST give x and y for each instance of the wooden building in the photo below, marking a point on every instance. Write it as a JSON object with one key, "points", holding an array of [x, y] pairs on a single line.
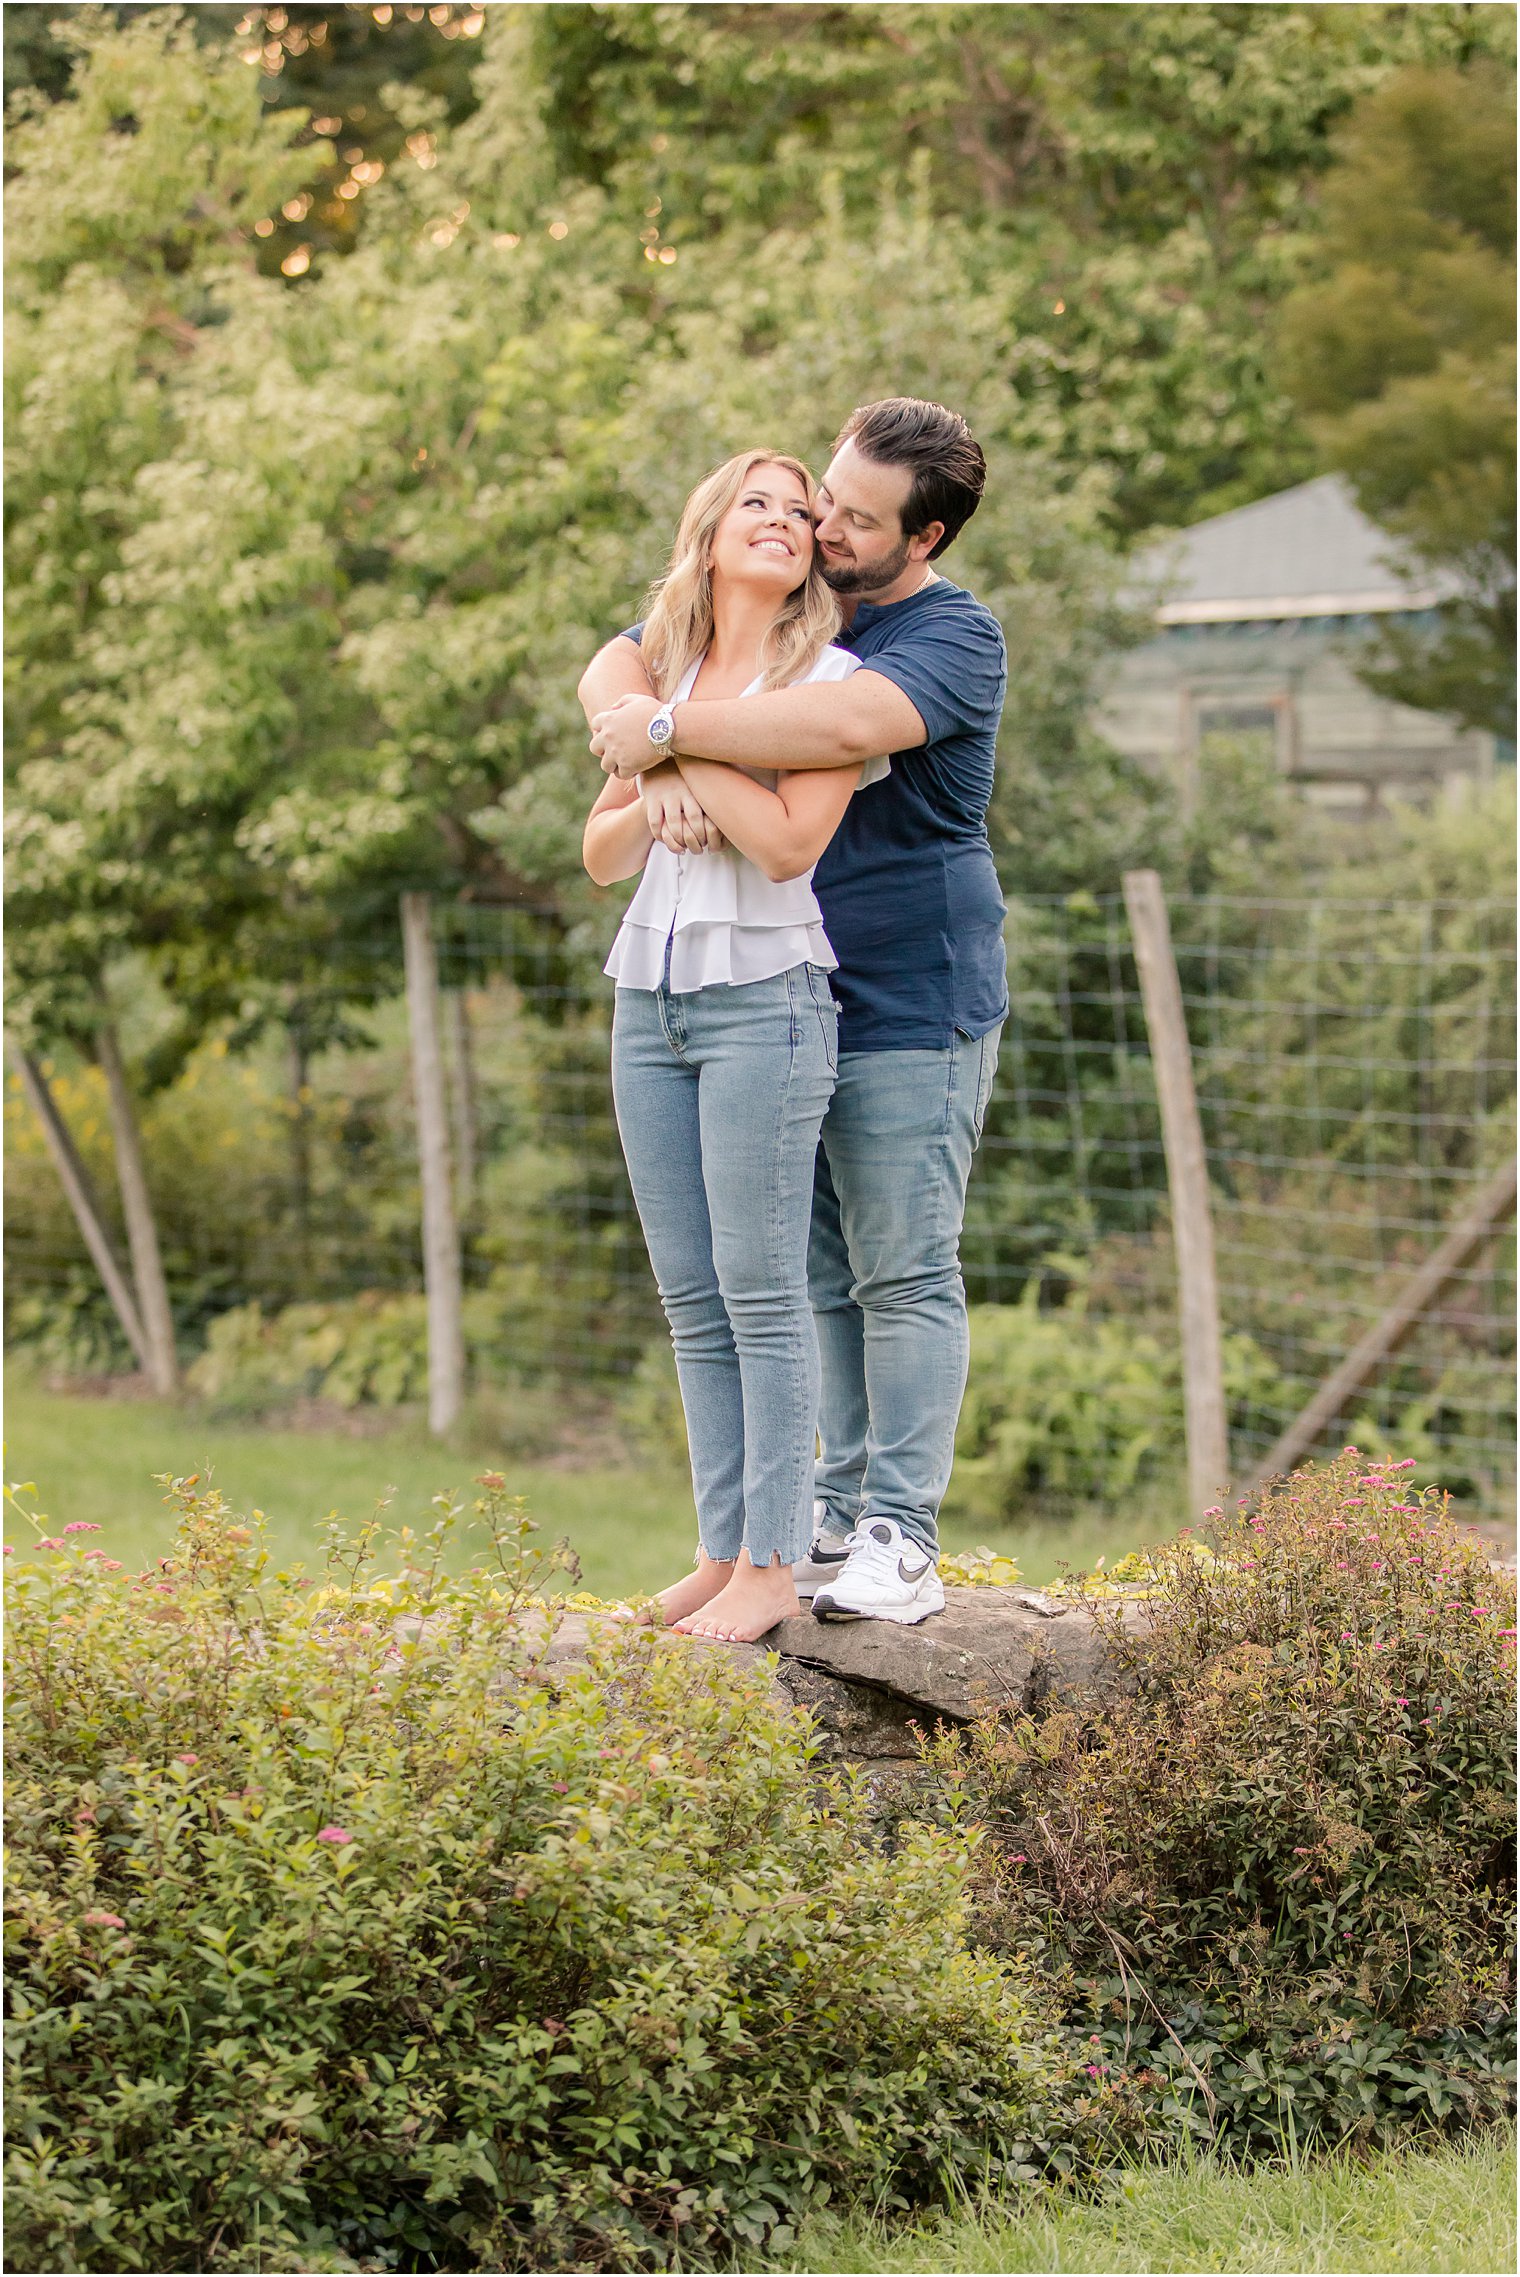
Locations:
{"points": [[1260, 615]]}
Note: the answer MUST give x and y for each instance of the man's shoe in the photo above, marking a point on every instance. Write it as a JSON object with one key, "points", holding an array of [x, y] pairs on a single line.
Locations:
{"points": [[885, 1578], [825, 1559]]}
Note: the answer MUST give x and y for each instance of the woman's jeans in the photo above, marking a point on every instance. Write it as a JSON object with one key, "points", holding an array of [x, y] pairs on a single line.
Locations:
{"points": [[720, 1094]]}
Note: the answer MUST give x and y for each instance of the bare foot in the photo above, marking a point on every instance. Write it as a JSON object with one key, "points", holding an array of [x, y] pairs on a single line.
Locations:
{"points": [[756, 1598], [684, 1596]]}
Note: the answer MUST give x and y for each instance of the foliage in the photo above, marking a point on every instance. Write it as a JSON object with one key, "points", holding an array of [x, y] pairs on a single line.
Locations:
{"points": [[1403, 358], [1063, 1406], [124, 781], [1139, 177], [371, 1349], [345, 1933], [1274, 1883]]}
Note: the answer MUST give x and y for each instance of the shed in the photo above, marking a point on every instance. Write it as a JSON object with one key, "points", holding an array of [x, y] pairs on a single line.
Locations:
{"points": [[1260, 616]]}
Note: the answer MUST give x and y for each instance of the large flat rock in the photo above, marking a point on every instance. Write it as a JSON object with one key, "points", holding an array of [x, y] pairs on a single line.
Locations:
{"points": [[989, 1649]]}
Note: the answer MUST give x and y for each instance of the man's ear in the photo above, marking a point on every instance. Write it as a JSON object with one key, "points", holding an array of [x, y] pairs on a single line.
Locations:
{"points": [[923, 544]]}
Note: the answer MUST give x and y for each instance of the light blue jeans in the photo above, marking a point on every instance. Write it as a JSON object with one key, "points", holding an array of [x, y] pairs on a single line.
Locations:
{"points": [[720, 1094], [885, 1270]]}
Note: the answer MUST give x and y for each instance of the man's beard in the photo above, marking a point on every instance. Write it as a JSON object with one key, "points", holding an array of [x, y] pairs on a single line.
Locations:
{"points": [[856, 578]]}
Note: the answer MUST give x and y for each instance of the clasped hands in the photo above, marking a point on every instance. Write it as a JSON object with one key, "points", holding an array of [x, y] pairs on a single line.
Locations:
{"points": [[620, 739]]}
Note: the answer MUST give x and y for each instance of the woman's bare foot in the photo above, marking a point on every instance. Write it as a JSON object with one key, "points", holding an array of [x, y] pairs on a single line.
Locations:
{"points": [[685, 1596], [755, 1599]]}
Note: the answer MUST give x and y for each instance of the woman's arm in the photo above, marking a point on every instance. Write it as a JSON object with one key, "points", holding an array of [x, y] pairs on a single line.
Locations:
{"points": [[616, 842], [782, 831]]}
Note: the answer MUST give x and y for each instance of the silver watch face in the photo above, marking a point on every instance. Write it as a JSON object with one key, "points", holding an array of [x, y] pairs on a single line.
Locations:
{"points": [[661, 728]]}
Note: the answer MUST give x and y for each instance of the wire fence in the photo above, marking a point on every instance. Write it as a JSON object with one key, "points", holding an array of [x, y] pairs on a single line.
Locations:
{"points": [[1355, 1069]]}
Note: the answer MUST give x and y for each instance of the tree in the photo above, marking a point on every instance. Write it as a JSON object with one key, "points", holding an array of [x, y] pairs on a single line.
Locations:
{"points": [[124, 201], [1138, 177], [1402, 357]]}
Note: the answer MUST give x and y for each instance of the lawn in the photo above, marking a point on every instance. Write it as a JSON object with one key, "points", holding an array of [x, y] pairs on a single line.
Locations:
{"points": [[631, 1523], [1452, 2208]]}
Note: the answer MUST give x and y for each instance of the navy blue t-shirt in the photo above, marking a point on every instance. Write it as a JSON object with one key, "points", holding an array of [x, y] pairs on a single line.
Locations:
{"points": [[907, 886]]}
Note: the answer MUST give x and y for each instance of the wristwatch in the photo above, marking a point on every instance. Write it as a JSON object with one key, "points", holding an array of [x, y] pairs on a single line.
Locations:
{"points": [[662, 729]]}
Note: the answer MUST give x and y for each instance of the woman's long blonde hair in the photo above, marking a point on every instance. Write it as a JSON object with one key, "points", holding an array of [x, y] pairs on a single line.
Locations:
{"points": [[678, 613]]}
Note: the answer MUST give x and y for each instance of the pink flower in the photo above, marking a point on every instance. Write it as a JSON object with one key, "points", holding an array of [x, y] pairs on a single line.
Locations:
{"points": [[1477, 1611], [1408, 1464], [1021, 1857], [99, 1920], [187, 1759], [81, 1526], [1354, 1502], [1215, 1510], [1350, 1450], [1300, 1851], [1347, 1637], [50, 1542], [1400, 1701], [10, 1549], [337, 1835]]}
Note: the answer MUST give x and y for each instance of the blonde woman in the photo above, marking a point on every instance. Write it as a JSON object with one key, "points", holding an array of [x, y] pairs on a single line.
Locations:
{"points": [[725, 1034]]}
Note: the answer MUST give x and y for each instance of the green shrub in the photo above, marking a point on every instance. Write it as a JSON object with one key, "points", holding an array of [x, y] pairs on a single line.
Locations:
{"points": [[1062, 1405], [345, 1930], [368, 1350], [1273, 1887]]}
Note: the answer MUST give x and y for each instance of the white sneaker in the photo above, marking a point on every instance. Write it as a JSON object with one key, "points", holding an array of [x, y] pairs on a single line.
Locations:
{"points": [[885, 1578], [824, 1559]]}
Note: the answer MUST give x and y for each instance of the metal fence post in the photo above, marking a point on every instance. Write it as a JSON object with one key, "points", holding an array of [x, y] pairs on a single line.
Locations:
{"points": [[1187, 1175], [440, 1231]]}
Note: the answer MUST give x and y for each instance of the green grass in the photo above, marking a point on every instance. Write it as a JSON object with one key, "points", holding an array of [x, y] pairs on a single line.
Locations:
{"points": [[632, 1524], [1451, 2208]]}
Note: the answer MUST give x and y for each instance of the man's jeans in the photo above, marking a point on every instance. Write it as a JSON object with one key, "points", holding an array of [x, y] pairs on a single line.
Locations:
{"points": [[720, 1094], [885, 1274]]}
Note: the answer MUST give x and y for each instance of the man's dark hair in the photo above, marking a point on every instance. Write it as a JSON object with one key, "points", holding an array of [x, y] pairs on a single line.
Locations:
{"points": [[945, 458]]}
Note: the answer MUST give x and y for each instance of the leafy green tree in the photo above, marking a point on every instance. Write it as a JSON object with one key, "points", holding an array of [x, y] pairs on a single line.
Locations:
{"points": [[1140, 174], [125, 211], [1403, 358]]}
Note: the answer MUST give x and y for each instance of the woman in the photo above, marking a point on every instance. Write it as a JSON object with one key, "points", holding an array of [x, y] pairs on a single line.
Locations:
{"points": [[725, 1037]]}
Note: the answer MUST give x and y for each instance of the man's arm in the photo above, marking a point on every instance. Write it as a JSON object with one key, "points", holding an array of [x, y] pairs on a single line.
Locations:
{"points": [[674, 811], [836, 723], [616, 670]]}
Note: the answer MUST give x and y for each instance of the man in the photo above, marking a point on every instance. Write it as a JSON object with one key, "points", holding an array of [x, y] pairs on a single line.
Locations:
{"points": [[911, 902]]}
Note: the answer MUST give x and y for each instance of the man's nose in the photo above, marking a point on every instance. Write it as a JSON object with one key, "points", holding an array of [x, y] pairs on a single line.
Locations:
{"points": [[827, 526]]}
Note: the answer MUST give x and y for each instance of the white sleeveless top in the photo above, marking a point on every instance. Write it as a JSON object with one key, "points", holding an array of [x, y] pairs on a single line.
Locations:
{"points": [[726, 922]]}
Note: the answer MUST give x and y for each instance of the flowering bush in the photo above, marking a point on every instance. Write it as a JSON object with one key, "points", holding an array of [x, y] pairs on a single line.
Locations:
{"points": [[1273, 1885], [348, 1929]]}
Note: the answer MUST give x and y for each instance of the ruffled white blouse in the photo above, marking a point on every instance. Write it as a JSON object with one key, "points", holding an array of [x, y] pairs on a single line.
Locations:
{"points": [[725, 921]]}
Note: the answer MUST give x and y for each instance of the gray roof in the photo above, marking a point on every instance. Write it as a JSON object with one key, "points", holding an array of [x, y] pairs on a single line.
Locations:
{"points": [[1307, 552]]}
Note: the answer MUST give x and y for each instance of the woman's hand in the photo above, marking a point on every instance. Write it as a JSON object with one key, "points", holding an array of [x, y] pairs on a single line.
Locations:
{"points": [[675, 814]]}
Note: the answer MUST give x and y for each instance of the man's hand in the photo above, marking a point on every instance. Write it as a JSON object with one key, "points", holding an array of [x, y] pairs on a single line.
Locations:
{"points": [[620, 735], [675, 815]]}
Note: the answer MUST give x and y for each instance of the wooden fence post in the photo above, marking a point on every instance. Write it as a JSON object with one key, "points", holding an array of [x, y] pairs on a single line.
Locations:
{"points": [[137, 1208], [76, 1186], [440, 1231], [1187, 1177]]}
